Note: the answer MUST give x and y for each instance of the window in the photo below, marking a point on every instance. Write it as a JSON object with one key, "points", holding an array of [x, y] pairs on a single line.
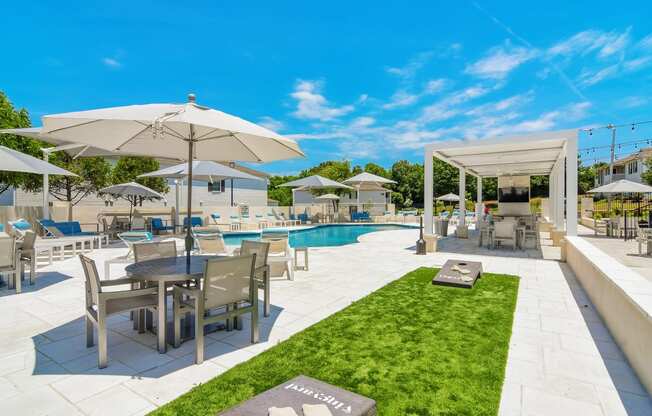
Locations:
{"points": [[217, 187], [632, 167]]}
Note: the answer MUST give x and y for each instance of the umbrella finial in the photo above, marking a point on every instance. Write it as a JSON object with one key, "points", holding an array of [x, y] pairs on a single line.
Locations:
{"points": [[192, 97]]}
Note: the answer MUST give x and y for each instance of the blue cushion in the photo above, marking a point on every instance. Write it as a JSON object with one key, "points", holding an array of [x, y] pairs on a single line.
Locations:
{"points": [[2, 227], [194, 222], [21, 224]]}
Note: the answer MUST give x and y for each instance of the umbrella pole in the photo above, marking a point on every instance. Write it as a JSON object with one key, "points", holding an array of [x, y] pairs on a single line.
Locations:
{"points": [[189, 213]]}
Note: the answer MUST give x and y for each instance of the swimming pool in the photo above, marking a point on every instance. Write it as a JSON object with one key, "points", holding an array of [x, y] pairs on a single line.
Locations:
{"points": [[325, 235]]}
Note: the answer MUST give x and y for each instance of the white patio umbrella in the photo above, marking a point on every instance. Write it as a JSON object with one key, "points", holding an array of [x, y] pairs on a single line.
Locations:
{"points": [[622, 186], [448, 198], [313, 182], [365, 179], [75, 150], [202, 170], [131, 191], [329, 198], [14, 161], [174, 131]]}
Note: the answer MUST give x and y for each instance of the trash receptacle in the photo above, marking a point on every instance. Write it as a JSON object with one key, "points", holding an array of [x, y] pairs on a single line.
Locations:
{"points": [[441, 227]]}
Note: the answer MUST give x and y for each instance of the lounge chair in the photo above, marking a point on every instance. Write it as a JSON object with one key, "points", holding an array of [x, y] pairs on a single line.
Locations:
{"points": [[194, 222], [209, 243], [19, 226], [157, 226], [280, 251], [134, 237], [71, 229], [100, 305], [228, 284]]}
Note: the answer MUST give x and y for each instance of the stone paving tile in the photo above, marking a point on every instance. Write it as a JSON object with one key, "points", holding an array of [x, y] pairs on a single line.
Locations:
{"points": [[561, 360]]}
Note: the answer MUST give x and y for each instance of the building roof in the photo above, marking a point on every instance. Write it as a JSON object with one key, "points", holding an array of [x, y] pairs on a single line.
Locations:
{"points": [[531, 154]]}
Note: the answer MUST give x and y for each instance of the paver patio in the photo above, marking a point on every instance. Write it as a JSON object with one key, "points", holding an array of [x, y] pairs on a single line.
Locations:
{"points": [[562, 359]]}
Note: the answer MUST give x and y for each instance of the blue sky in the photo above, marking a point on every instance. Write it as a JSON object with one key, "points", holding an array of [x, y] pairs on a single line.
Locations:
{"points": [[364, 81]]}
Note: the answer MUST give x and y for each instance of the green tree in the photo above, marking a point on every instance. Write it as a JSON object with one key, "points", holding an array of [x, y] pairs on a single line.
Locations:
{"points": [[12, 118], [93, 173], [128, 168], [377, 170], [278, 193], [585, 177], [647, 175], [409, 183]]}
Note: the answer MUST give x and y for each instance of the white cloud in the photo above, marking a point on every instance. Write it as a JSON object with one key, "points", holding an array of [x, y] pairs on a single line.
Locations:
{"points": [[412, 67], [311, 104], [500, 61], [588, 41], [633, 101], [501, 105], [111, 62], [638, 63], [271, 123], [589, 77], [401, 98], [646, 42], [435, 85], [448, 107]]}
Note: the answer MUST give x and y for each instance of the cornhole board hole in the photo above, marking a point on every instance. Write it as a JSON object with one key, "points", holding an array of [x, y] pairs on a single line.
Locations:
{"points": [[448, 276], [305, 390]]}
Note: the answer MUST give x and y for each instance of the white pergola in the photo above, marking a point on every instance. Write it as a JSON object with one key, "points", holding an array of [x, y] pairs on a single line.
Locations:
{"points": [[552, 154]]}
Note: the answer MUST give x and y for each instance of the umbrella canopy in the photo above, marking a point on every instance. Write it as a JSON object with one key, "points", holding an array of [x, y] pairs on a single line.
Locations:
{"points": [[448, 198], [366, 177], [622, 186], [175, 131], [165, 130], [14, 161], [315, 182], [130, 189], [328, 197], [203, 170]]}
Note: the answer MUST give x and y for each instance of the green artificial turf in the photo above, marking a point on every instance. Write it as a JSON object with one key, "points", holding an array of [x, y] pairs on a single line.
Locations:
{"points": [[415, 348]]}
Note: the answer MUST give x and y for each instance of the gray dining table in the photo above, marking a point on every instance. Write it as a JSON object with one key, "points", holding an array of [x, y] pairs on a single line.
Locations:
{"points": [[165, 272]]}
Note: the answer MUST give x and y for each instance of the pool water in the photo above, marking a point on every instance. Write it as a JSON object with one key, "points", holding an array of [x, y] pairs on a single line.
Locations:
{"points": [[327, 235]]}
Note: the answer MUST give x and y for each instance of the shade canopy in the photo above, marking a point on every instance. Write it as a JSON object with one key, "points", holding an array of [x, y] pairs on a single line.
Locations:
{"points": [[530, 154], [327, 197], [130, 189], [164, 130], [202, 170], [73, 149], [368, 178], [14, 161], [315, 182], [622, 186], [448, 198], [174, 131]]}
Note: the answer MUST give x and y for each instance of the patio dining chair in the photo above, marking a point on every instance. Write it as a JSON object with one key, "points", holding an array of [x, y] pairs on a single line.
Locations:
{"points": [[28, 255], [154, 250], [9, 262], [100, 304], [261, 250], [228, 285], [505, 231]]}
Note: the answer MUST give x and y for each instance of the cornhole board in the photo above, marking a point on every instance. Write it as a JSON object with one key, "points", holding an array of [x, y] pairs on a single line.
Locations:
{"points": [[449, 277], [305, 390]]}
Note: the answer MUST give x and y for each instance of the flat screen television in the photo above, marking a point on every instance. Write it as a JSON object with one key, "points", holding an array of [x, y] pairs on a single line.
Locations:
{"points": [[514, 194]]}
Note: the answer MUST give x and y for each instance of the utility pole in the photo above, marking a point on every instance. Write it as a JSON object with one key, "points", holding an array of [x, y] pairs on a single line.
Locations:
{"points": [[611, 163]]}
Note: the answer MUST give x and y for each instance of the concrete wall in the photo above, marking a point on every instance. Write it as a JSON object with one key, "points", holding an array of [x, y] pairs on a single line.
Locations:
{"points": [[623, 299]]}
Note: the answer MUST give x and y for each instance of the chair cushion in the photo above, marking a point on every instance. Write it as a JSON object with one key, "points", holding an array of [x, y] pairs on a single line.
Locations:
{"points": [[21, 224]]}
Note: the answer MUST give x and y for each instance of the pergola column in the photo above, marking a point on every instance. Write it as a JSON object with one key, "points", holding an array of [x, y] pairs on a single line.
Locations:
{"points": [[462, 194], [427, 191], [559, 194], [46, 190], [571, 186], [478, 206]]}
